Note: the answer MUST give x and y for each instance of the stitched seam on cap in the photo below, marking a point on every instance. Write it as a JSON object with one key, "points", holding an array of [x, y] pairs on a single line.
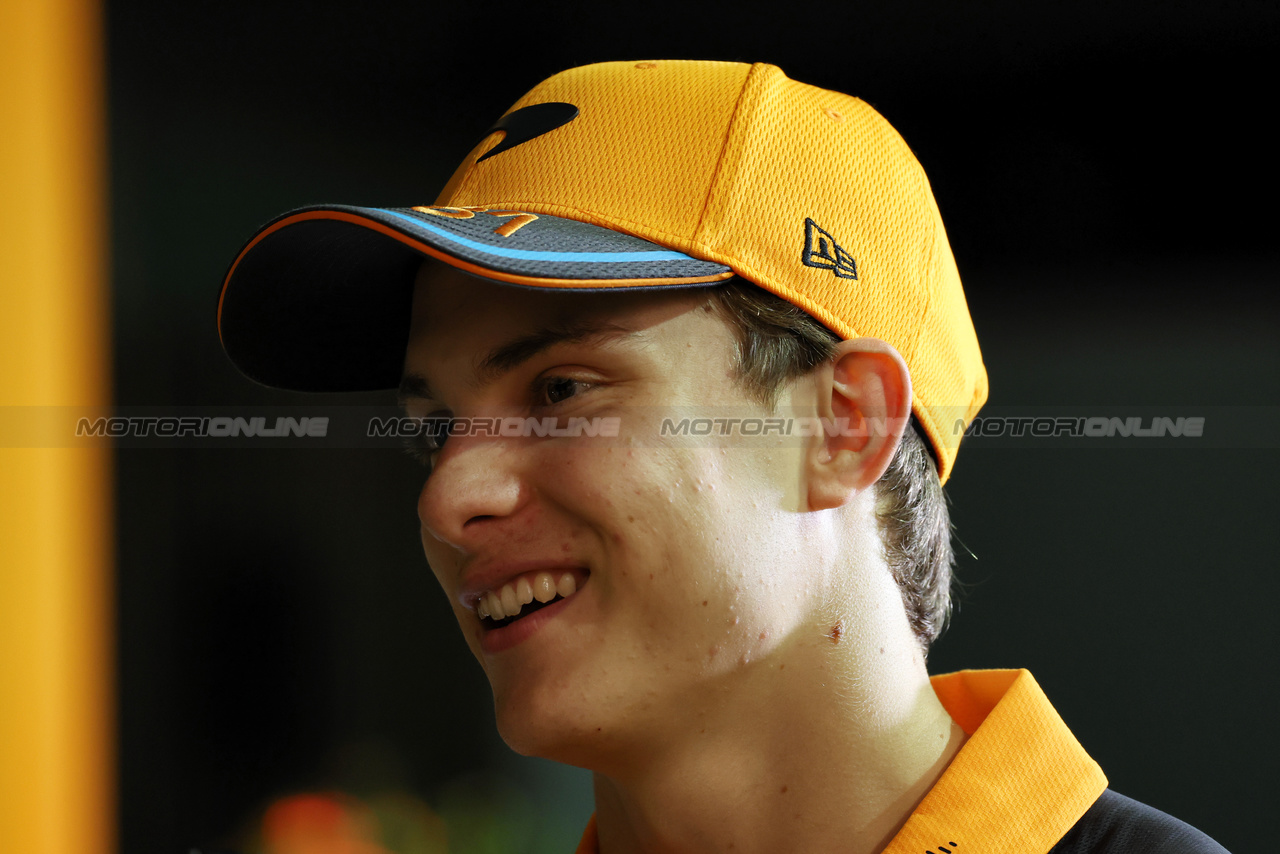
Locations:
{"points": [[927, 272], [928, 268], [724, 147]]}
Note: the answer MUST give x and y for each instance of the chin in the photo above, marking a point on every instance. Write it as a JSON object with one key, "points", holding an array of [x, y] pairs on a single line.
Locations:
{"points": [[535, 723]]}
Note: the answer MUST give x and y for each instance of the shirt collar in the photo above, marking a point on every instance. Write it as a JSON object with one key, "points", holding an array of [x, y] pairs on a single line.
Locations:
{"points": [[1019, 783]]}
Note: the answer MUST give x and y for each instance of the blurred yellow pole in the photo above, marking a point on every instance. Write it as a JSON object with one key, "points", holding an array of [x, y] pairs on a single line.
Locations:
{"points": [[56, 662]]}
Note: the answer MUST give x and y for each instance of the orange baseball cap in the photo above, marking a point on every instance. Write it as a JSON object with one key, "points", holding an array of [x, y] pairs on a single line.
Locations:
{"points": [[634, 174]]}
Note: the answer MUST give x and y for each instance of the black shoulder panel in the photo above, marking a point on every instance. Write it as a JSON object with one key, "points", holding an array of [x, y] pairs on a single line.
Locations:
{"points": [[1119, 825]]}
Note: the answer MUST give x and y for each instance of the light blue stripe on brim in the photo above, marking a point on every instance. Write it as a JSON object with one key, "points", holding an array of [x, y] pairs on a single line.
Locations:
{"points": [[530, 255]]}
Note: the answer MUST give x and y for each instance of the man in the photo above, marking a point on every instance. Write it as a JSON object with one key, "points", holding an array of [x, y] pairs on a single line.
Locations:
{"points": [[691, 362]]}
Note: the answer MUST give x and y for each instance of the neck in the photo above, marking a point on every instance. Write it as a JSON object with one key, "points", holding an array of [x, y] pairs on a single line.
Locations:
{"points": [[839, 766]]}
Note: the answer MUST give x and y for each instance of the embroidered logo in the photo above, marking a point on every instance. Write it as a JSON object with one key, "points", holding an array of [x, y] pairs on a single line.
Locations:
{"points": [[822, 251], [528, 123], [511, 227]]}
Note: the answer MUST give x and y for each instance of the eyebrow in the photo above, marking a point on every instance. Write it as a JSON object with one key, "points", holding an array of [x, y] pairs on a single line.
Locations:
{"points": [[509, 356]]}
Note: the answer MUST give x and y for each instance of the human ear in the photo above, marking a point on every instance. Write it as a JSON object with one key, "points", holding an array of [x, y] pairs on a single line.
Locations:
{"points": [[864, 401]]}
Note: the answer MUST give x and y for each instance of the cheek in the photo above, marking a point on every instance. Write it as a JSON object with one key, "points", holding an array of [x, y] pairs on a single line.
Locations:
{"points": [[661, 521], [654, 488], [602, 486], [730, 575]]}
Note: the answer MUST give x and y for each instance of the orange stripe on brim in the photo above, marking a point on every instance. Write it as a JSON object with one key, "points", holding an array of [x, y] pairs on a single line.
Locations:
{"points": [[426, 249]]}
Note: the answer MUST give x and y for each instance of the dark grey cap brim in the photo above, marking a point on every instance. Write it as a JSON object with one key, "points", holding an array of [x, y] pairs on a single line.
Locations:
{"points": [[319, 299]]}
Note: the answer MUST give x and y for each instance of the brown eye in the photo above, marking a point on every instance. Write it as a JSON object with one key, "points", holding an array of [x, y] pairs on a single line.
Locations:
{"points": [[558, 389], [429, 437], [435, 429]]}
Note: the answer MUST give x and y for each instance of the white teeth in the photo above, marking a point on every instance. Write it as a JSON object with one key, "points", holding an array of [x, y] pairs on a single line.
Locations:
{"points": [[524, 591], [566, 587], [495, 605], [510, 604], [510, 599], [544, 587]]}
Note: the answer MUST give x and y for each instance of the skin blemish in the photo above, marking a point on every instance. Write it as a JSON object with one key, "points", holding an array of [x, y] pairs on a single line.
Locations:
{"points": [[882, 650], [704, 603], [713, 652], [783, 790], [836, 631]]}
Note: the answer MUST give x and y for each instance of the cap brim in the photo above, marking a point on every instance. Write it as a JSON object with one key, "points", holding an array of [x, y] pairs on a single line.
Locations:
{"points": [[319, 298]]}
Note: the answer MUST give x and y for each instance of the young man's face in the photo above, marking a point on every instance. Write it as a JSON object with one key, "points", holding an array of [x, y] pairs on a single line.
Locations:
{"points": [[688, 561]]}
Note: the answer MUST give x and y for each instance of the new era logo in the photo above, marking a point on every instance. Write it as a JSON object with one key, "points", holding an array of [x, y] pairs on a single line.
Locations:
{"points": [[822, 251]]}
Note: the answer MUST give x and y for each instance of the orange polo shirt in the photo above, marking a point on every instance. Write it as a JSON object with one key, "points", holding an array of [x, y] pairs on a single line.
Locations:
{"points": [[1019, 783]]}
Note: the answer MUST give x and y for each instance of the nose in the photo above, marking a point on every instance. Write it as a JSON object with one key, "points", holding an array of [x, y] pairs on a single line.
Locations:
{"points": [[475, 486]]}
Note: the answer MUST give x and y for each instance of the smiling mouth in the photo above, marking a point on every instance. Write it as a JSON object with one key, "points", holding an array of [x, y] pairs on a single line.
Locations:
{"points": [[523, 596]]}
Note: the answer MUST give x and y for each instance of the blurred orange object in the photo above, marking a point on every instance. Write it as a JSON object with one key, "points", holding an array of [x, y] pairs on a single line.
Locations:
{"points": [[320, 824]]}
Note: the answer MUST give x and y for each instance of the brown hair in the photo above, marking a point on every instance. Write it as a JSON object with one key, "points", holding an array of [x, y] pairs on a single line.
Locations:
{"points": [[778, 342]]}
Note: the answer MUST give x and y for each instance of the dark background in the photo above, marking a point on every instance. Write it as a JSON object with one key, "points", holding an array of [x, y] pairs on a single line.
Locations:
{"points": [[1107, 175]]}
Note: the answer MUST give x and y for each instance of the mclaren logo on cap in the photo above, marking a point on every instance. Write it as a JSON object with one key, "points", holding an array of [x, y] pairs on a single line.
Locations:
{"points": [[529, 122], [822, 251]]}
